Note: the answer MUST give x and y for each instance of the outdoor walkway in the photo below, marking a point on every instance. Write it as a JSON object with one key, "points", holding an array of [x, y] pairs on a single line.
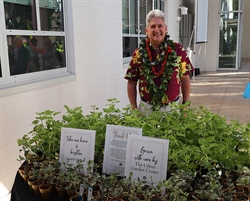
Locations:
{"points": [[222, 92]]}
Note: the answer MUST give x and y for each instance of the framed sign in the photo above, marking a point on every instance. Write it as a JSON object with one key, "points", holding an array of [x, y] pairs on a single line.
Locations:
{"points": [[77, 144], [147, 159], [116, 147]]}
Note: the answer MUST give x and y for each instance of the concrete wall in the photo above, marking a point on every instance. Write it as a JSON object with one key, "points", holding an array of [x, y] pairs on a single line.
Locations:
{"points": [[172, 12], [99, 76]]}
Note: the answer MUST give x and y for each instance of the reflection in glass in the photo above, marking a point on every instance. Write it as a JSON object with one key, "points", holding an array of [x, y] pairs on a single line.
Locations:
{"points": [[149, 6], [229, 5], [129, 45], [125, 16], [133, 17], [51, 15], [142, 4], [162, 6], [37, 53], [20, 15], [156, 4], [228, 40]]}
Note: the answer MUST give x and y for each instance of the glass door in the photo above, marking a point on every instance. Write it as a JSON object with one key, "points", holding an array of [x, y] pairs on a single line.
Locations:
{"points": [[230, 34]]}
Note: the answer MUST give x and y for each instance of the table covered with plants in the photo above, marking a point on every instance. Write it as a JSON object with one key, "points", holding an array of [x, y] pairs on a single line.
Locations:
{"points": [[208, 158]]}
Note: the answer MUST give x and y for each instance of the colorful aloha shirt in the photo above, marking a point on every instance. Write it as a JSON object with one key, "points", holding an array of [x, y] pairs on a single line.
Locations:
{"points": [[184, 68]]}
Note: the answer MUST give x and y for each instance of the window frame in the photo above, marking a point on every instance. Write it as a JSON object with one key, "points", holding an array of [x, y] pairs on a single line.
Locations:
{"points": [[18, 83]]}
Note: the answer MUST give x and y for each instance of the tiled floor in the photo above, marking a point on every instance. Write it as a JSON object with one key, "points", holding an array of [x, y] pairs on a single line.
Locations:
{"points": [[222, 92]]}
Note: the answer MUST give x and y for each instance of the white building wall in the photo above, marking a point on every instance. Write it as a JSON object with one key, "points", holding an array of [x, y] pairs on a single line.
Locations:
{"points": [[245, 53], [206, 54], [99, 76], [172, 12]]}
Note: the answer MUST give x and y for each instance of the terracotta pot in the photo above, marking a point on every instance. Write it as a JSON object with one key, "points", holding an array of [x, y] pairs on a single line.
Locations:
{"points": [[125, 198], [224, 183], [247, 189], [61, 192], [155, 198], [31, 181], [20, 169], [238, 190], [101, 198], [76, 198], [45, 191], [241, 197], [36, 186], [25, 176], [227, 193], [140, 196], [112, 197], [53, 190], [115, 199], [70, 193]]}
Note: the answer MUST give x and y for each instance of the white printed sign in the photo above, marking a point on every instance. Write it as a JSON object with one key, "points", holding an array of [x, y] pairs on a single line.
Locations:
{"points": [[147, 159], [77, 144], [115, 148]]}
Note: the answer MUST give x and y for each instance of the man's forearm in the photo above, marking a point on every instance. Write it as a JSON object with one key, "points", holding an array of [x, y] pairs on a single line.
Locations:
{"points": [[185, 88], [132, 93]]}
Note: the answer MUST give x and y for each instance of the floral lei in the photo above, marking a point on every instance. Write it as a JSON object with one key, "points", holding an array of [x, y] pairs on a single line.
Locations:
{"points": [[168, 60]]}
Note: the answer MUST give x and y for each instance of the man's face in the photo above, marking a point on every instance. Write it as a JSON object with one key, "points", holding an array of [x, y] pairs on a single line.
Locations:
{"points": [[18, 43], [34, 43], [156, 31]]}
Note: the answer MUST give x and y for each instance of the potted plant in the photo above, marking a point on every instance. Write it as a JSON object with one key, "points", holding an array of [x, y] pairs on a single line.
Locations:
{"points": [[61, 184], [45, 191], [35, 185], [211, 188], [44, 139], [102, 193], [241, 197]]}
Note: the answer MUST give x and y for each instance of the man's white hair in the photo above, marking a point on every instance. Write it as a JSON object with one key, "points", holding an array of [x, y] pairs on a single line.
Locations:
{"points": [[154, 13]]}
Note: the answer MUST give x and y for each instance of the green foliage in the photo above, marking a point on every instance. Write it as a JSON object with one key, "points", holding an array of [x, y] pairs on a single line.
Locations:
{"points": [[45, 136], [199, 139], [211, 188]]}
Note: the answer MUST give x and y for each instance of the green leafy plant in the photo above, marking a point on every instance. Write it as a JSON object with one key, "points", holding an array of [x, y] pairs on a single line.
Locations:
{"points": [[211, 187], [44, 139], [201, 143]]}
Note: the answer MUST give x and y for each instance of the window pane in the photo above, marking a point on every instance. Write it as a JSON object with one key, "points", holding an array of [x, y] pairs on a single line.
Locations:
{"points": [[149, 5], [156, 4], [20, 15], [231, 5], [39, 54], [133, 17], [51, 15], [125, 16], [129, 45], [143, 16], [162, 6]]}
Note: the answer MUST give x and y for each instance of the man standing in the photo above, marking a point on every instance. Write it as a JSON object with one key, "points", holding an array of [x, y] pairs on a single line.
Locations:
{"points": [[23, 58], [34, 61], [161, 67]]}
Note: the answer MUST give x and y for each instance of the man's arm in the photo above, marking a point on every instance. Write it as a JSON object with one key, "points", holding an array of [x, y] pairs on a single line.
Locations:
{"points": [[185, 88], [28, 67], [38, 50], [132, 93]]}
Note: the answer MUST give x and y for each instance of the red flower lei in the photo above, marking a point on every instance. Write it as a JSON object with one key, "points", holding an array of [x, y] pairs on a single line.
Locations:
{"points": [[163, 65]]}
